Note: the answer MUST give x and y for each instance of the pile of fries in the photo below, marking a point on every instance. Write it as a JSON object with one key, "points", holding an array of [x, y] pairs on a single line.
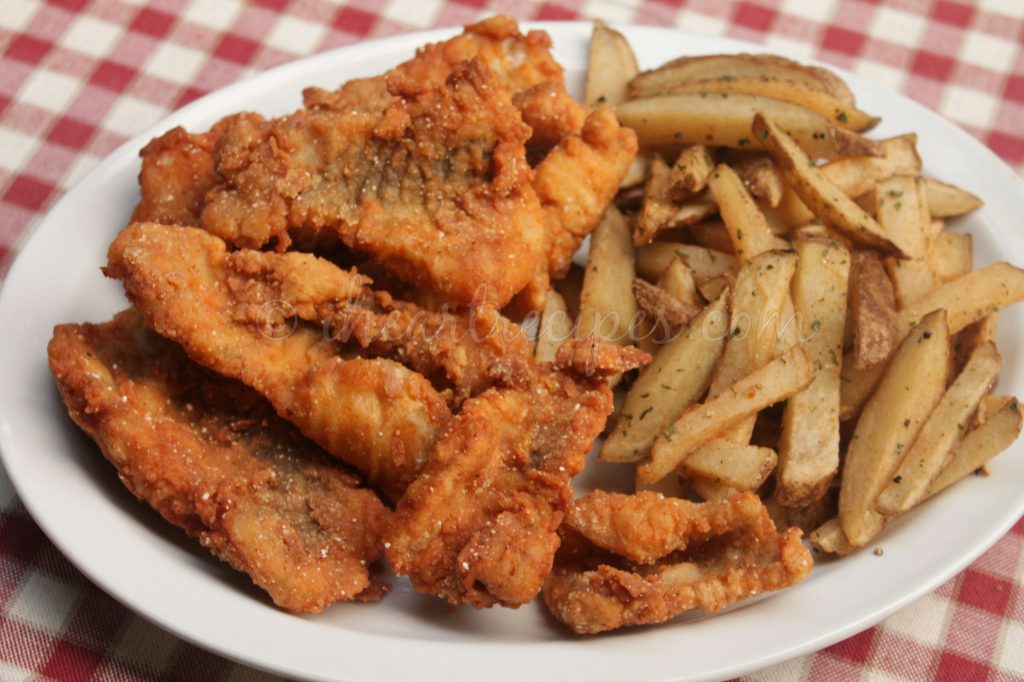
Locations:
{"points": [[818, 335]]}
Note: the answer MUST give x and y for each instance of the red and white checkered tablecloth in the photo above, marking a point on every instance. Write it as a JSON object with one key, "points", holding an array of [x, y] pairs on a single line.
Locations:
{"points": [[78, 77]]}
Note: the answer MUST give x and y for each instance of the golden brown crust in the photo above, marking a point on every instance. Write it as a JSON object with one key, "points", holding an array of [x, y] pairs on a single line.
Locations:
{"points": [[212, 458], [736, 554]]}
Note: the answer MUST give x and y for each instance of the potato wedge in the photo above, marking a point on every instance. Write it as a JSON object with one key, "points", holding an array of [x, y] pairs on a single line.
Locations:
{"points": [[657, 208], [607, 306], [953, 255], [766, 386], [674, 380], [759, 300], [762, 178], [748, 230], [725, 122], [824, 199], [839, 113], [741, 467], [946, 425], [890, 422], [871, 312], [690, 171], [901, 211], [980, 445], [554, 329], [709, 490], [829, 539], [724, 66], [678, 280], [966, 300], [692, 211], [946, 200], [858, 175], [711, 234], [710, 289], [610, 67], [973, 336], [809, 445], [651, 260]]}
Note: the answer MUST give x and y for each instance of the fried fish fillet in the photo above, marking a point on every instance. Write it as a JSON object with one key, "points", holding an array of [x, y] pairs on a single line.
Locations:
{"points": [[479, 525], [242, 314], [212, 458], [728, 556], [289, 324], [424, 169]]}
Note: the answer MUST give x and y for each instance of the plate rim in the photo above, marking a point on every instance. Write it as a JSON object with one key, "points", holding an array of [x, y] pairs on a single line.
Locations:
{"points": [[386, 45]]}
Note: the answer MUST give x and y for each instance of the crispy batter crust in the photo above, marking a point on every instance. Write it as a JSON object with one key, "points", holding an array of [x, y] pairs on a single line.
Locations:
{"points": [[212, 458]]}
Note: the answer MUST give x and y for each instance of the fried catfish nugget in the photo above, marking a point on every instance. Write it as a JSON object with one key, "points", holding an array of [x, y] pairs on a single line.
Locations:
{"points": [[479, 525], [244, 315], [732, 553], [212, 458]]}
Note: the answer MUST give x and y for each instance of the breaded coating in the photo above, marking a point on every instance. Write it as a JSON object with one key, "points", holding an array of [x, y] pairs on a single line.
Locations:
{"points": [[479, 526], [424, 170], [243, 315], [739, 555], [646, 526], [211, 457]]}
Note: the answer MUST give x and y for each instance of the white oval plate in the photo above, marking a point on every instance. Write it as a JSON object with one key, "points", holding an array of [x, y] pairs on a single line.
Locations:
{"points": [[127, 550]]}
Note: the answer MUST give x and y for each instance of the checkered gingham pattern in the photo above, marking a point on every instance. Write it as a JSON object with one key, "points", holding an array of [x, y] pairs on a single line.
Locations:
{"points": [[78, 77]]}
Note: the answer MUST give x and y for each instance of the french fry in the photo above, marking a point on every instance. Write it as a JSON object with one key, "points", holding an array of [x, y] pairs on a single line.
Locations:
{"points": [[674, 380], [677, 279], [766, 386], [725, 66], [555, 327], [658, 208], [748, 230], [824, 199], [946, 425], [725, 122], [651, 260], [946, 200], [872, 311], [711, 234], [837, 112], [692, 211], [829, 539], [762, 178], [809, 445], [966, 300], [858, 175], [690, 172], [901, 211], [607, 306], [973, 336], [980, 445], [711, 288], [610, 67], [889, 423], [953, 255], [758, 303], [741, 467], [989, 406], [709, 490]]}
